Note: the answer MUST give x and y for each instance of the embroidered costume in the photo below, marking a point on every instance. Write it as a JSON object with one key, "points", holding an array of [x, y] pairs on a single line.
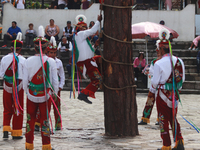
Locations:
{"points": [[163, 83], [37, 88], [9, 101], [85, 61]]}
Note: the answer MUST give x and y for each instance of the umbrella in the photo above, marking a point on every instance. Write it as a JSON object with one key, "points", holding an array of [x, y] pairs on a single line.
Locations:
{"points": [[143, 29], [150, 30]]}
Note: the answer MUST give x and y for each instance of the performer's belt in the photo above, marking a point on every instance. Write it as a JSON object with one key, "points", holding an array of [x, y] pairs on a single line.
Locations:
{"points": [[169, 86], [8, 79], [9, 89], [37, 87]]}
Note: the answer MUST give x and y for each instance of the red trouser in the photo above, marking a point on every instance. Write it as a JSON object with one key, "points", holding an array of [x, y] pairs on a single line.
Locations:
{"points": [[9, 111], [165, 117], [148, 107], [93, 74], [32, 109], [56, 115]]}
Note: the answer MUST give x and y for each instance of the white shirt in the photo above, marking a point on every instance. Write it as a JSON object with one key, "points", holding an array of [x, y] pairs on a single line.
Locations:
{"points": [[163, 69], [6, 61], [85, 51], [61, 73], [61, 2], [20, 5], [62, 48], [67, 34], [31, 66]]}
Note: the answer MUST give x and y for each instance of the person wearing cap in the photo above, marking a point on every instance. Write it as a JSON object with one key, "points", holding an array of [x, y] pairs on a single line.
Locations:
{"points": [[84, 57], [9, 103], [151, 95], [164, 83], [68, 31], [52, 52], [37, 86]]}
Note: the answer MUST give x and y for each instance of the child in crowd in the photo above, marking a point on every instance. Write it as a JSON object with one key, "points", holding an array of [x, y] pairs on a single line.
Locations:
{"points": [[194, 43]]}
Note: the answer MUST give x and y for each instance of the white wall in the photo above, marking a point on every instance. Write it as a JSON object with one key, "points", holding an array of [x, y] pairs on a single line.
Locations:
{"points": [[181, 21]]}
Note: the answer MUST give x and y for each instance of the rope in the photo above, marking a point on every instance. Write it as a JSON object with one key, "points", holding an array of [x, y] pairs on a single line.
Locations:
{"points": [[115, 62], [129, 86], [119, 63], [120, 7], [128, 42]]}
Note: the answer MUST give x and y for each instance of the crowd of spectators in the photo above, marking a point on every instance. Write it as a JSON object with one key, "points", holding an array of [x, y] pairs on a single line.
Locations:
{"points": [[65, 42]]}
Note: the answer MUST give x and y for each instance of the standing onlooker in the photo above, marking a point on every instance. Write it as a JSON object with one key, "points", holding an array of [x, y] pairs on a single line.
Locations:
{"points": [[52, 30], [3, 2], [70, 4], [64, 47], [54, 5], [20, 4], [86, 4], [11, 33], [139, 64], [61, 4], [30, 35], [76, 4], [68, 31]]}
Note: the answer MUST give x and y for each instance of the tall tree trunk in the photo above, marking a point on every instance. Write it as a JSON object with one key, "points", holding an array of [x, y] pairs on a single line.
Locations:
{"points": [[120, 105]]}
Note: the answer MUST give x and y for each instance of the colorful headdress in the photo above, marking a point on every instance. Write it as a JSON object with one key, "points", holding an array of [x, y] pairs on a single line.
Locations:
{"points": [[41, 38], [19, 42], [164, 37], [52, 46], [80, 21]]}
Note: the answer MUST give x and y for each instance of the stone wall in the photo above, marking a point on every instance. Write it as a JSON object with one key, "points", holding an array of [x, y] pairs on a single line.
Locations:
{"points": [[181, 21]]}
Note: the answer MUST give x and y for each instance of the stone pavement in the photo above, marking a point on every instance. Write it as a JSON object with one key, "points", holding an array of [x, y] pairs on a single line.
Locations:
{"points": [[83, 127]]}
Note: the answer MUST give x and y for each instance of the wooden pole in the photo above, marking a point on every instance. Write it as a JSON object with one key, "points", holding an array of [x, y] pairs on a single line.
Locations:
{"points": [[120, 105]]}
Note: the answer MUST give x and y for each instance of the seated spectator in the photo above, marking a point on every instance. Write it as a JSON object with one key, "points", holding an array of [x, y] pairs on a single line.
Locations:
{"points": [[63, 47], [61, 4], [68, 31], [11, 33], [20, 4], [198, 61], [2, 3], [52, 30], [76, 4], [139, 64], [54, 5], [194, 44], [30, 35]]}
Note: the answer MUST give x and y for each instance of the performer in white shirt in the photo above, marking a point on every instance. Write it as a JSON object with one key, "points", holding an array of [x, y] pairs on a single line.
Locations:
{"points": [[13, 106], [38, 89], [163, 81], [52, 52], [84, 57]]}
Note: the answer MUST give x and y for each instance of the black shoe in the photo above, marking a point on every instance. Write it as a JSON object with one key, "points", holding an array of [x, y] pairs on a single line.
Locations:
{"points": [[180, 146], [5, 134], [142, 123], [17, 137], [83, 97], [52, 149], [157, 123], [37, 128], [58, 128]]}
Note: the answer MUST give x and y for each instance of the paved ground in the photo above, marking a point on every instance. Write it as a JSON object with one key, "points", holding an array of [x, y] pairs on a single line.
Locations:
{"points": [[83, 127]]}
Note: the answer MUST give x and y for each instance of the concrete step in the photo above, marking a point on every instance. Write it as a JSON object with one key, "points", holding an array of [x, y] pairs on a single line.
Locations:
{"points": [[191, 85], [190, 68], [192, 77]]}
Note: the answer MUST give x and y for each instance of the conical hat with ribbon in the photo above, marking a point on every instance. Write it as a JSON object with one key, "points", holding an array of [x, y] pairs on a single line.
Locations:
{"points": [[52, 45], [164, 38], [41, 38], [19, 42]]}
